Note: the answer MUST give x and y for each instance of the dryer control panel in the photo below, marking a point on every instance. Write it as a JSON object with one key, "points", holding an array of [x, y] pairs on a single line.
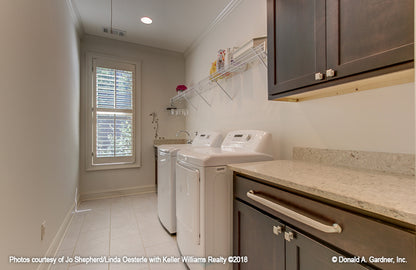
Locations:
{"points": [[241, 137], [248, 140]]}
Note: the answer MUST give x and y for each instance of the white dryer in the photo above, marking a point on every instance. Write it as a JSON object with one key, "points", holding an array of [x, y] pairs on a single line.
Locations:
{"points": [[166, 162], [204, 195]]}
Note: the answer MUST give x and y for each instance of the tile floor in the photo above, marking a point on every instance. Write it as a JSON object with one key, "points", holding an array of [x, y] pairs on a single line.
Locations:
{"points": [[125, 226]]}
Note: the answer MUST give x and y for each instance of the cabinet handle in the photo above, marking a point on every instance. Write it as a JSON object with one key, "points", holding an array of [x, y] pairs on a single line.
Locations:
{"points": [[277, 230], [289, 236], [330, 73], [319, 76], [335, 228]]}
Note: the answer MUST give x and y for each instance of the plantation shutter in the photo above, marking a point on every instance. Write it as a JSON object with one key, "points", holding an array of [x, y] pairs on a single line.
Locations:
{"points": [[113, 112]]}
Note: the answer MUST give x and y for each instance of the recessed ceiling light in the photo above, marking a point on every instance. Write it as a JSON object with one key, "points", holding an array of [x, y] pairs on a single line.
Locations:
{"points": [[146, 20]]}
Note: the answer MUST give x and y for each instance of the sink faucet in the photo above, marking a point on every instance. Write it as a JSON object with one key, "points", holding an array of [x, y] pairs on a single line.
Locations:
{"points": [[187, 133]]}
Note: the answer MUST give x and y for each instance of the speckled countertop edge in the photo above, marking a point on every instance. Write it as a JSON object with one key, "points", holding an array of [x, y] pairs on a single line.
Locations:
{"points": [[158, 142], [393, 196]]}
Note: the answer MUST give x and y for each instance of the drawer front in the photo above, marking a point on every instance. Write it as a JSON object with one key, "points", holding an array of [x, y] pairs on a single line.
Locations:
{"points": [[360, 236]]}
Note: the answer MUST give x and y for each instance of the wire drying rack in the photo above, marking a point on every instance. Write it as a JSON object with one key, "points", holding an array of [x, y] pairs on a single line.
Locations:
{"points": [[238, 64]]}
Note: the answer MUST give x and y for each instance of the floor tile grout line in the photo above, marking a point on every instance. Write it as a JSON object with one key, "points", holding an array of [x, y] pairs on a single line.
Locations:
{"points": [[109, 236], [76, 242], [112, 208], [139, 231]]}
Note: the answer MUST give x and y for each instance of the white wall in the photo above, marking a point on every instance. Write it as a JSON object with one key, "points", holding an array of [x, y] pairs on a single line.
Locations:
{"points": [[161, 71], [376, 120], [39, 120]]}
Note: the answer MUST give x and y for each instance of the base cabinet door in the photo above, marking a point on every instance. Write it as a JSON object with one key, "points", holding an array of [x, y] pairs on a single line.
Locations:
{"points": [[259, 237], [304, 253], [270, 245]]}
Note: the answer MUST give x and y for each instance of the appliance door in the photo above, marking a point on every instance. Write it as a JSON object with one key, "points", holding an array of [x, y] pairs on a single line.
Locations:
{"points": [[166, 191], [187, 207]]}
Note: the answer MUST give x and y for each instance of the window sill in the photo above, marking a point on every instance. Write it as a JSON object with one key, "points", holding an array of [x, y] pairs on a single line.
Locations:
{"points": [[113, 166]]}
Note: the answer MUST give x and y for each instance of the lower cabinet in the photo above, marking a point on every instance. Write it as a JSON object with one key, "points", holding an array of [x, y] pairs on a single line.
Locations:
{"points": [[257, 236], [279, 229], [271, 245], [303, 252]]}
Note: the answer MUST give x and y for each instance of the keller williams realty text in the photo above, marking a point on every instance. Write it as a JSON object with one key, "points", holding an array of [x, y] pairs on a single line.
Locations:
{"points": [[123, 259]]}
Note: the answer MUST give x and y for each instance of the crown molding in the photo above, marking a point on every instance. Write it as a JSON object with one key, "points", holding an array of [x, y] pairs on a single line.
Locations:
{"points": [[229, 8], [76, 18]]}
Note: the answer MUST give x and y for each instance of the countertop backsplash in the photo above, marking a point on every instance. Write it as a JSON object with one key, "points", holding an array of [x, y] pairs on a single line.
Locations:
{"points": [[376, 161]]}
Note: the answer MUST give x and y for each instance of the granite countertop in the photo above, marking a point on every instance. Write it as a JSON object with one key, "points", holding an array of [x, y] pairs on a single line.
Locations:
{"points": [[389, 195], [157, 142]]}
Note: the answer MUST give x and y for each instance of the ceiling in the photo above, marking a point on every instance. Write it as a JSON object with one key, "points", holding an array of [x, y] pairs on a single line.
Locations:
{"points": [[177, 24]]}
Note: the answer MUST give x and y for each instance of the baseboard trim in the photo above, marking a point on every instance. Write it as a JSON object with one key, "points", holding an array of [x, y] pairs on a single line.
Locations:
{"points": [[113, 193], [59, 237], [78, 200]]}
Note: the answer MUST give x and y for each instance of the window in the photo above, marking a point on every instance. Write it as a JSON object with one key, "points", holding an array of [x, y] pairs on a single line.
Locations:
{"points": [[113, 117]]}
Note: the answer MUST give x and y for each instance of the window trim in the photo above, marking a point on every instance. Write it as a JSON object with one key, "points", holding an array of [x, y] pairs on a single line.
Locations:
{"points": [[90, 111]]}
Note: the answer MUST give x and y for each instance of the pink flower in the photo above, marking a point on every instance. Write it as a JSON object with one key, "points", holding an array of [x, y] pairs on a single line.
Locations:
{"points": [[181, 87]]}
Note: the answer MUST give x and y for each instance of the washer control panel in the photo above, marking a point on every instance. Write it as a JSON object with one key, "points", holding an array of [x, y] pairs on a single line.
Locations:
{"points": [[209, 138]]}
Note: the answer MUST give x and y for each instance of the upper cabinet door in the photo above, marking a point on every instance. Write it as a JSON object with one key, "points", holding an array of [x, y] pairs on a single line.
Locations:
{"points": [[364, 35], [313, 44], [296, 42]]}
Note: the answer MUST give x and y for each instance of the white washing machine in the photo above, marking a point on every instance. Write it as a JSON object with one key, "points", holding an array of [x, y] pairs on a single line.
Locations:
{"points": [[166, 162], [204, 194]]}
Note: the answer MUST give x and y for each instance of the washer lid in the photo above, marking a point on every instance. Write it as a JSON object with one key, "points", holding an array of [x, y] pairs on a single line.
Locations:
{"points": [[219, 157], [203, 139], [172, 149]]}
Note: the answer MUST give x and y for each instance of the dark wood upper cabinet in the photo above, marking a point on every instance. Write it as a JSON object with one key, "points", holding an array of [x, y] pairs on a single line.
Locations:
{"points": [[317, 43], [368, 34], [298, 42]]}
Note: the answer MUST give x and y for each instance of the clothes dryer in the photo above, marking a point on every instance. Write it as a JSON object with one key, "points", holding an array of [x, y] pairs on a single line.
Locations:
{"points": [[204, 195], [166, 175]]}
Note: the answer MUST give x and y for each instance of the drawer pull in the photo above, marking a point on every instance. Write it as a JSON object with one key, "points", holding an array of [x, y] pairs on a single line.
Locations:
{"points": [[335, 228]]}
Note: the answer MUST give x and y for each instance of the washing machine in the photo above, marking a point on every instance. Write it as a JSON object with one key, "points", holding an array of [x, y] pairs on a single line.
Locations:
{"points": [[166, 175], [204, 195]]}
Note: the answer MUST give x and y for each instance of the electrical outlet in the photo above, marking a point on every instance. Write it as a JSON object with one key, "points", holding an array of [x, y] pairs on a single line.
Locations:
{"points": [[42, 230]]}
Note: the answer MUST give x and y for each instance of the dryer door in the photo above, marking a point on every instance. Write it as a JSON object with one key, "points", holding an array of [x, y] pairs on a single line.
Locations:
{"points": [[187, 207]]}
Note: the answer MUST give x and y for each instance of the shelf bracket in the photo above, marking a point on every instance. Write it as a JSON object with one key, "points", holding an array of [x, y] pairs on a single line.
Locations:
{"points": [[261, 58], [228, 95], [190, 103], [201, 96]]}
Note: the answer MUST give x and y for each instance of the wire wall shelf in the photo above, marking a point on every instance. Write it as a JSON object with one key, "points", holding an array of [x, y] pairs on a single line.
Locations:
{"points": [[238, 64]]}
